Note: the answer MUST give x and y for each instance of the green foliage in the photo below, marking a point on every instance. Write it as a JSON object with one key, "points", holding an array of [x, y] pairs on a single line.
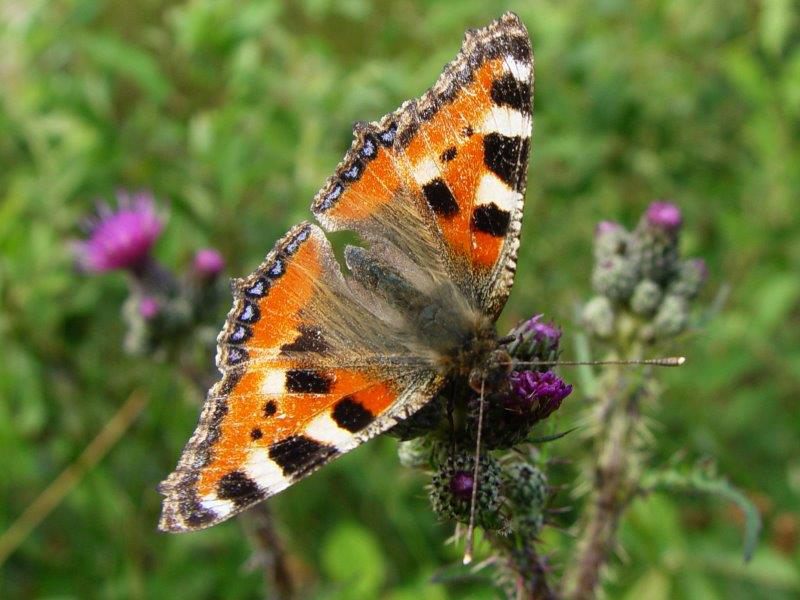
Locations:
{"points": [[234, 113]]}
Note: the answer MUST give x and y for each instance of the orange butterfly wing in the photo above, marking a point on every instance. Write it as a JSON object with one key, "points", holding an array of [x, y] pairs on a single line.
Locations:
{"points": [[313, 364], [307, 376], [450, 166]]}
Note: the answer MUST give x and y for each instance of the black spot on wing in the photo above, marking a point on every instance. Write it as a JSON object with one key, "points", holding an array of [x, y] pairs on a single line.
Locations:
{"points": [[440, 198], [506, 157], [270, 408], [298, 454], [448, 154], [307, 381], [351, 415], [490, 219], [507, 91], [309, 340], [256, 434], [239, 488], [199, 516]]}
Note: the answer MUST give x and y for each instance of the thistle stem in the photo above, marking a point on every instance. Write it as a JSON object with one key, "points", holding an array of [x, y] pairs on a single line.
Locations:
{"points": [[616, 420]]}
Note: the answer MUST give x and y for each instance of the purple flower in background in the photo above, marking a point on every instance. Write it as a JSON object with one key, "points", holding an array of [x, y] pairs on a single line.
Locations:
{"points": [[537, 393], [664, 215], [121, 238], [149, 307], [208, 263]]}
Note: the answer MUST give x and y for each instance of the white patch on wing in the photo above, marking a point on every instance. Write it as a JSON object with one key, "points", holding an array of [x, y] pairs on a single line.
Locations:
{"points": [[220, 508], [273, 382], [265, 471], [425, 171], [324, 429], [506, 121], [492, 189], [520, 70]]}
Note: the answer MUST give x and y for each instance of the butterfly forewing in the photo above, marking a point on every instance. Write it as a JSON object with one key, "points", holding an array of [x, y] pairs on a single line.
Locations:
{"points": [[456, 160]]}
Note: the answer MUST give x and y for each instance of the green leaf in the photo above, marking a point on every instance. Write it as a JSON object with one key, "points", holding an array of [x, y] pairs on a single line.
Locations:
{"points": [[352, 557], [654, 585], [699, 479], [124, 59], [775, 24]]}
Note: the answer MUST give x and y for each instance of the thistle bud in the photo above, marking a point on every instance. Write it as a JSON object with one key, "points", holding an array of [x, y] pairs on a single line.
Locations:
{"points": [[672, 316], [598, 316], [646, 297], [610, 239], [526, 486], [452, 487], [654, 243], [689, 278], [615, 277]]}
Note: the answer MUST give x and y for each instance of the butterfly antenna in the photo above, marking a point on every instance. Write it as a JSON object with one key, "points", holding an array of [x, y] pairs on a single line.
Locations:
{"points": [[669, 361], [470, 544]]}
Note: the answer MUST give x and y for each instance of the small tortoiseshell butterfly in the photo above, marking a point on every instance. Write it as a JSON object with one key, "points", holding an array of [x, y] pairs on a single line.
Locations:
{"points": [[315, 362]]}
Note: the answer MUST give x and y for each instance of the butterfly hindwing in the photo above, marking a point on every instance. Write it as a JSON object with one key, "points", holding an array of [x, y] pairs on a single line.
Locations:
{"points": [[456, 159], [307, 376]]}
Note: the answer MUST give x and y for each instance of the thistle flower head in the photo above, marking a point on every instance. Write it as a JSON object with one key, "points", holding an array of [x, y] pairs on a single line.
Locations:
{"points": [[664, 215], [535, 340], [121, 238], [545, 333], [452, 487], [149, 307], [537, 394], [208, 263]]}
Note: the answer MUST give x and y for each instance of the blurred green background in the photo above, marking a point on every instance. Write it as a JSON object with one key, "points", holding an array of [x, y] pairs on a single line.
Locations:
{"points": [[234, 113]]}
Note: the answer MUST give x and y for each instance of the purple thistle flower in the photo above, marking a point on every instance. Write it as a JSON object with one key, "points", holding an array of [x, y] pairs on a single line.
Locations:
{"points": [[664, 215], [545, 333], [461, 485], [208, 263], [121, 238], [149, 307], [537, 393]]}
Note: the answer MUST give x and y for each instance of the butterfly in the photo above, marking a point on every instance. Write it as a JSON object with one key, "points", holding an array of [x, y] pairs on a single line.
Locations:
{"points": [[316, 360]]}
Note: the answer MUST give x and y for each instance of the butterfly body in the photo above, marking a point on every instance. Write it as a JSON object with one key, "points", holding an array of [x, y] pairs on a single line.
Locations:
{"points": [[317, 359]]}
